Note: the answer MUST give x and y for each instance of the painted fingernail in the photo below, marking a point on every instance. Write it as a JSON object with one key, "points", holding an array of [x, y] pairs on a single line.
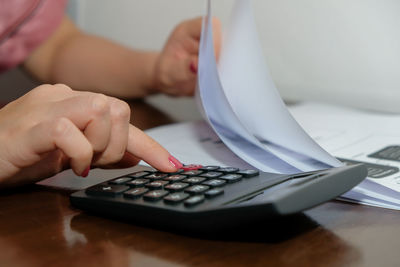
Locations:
{"points": [[177, 164], [85, 173], [193, 68]]}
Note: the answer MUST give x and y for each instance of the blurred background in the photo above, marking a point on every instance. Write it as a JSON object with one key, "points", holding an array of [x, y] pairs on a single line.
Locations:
{"points": [[338, 51]]}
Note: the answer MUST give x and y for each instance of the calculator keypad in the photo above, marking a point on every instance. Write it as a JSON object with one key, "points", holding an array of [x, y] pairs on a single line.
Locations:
{"points": [[189, 186]]}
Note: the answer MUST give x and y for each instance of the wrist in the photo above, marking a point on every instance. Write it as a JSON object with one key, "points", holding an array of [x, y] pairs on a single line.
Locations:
{"points": [[154, 81]]}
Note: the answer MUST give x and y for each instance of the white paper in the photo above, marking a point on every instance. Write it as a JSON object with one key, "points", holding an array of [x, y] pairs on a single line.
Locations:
{"points": [[352, 134], [243, 106], [196, 142]]}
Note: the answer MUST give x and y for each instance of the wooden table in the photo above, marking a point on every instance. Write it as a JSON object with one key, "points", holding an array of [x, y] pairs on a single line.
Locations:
{"points": [[38, 227]]}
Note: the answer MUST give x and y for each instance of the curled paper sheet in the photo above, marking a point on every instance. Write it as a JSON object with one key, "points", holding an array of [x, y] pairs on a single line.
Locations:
{"points": [[241, 103]]}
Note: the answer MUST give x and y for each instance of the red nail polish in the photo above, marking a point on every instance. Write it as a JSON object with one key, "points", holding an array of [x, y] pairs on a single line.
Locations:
{"points": [[193, 68], [177, 164], [85, 173]]}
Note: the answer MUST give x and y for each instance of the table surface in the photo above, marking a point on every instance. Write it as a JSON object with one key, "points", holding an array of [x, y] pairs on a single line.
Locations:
{"points": [[38, 227]]}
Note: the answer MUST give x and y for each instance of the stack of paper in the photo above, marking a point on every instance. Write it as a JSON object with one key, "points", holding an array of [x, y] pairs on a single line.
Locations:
{"points": [[241, 104]]}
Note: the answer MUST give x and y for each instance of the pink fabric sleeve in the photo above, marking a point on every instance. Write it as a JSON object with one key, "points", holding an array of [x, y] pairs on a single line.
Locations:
{"points": [[24, 25]]}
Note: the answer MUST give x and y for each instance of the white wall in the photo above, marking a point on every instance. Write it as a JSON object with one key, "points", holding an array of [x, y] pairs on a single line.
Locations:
{"points": [[342, 51]]}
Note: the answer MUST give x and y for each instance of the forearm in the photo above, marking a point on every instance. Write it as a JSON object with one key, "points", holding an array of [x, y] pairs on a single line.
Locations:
{"points": [[90, 63], [94, 64]]}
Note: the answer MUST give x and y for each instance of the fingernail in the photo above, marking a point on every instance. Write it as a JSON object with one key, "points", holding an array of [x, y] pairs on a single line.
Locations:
{"points": [[193, 68], [85, 173], [177, 164]]}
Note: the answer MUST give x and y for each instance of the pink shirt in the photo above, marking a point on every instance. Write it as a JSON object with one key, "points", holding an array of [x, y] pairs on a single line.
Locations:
{"points": [[24, 25]]}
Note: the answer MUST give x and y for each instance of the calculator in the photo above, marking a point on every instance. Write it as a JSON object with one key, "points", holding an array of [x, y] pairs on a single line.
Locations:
{"points": [[198, 197]]}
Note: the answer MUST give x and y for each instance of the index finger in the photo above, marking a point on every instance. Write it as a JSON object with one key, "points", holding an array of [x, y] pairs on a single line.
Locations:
{"points": [[146, 148]]}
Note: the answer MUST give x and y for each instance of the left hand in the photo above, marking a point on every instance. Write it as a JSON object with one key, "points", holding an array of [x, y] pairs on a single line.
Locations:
{"points": [[176, 67]]}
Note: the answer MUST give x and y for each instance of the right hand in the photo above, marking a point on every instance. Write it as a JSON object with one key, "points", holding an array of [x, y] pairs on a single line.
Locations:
{"points": [[52, 128]]}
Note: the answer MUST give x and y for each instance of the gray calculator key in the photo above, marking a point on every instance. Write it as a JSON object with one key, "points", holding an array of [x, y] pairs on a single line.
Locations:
{"points": [[156, 184], [215, 182], [176, 187], [138, 174], [121, 180], [156, 176], [231, 178], [197, 189], [209, 168], [214, 192], [211, 174], [194, 180], [138, 182], [107, 190], [228, 169], [194, 200], [248, 173], [155, 195], [176, 198], [192, 172], [175, 178], [136, 192]]}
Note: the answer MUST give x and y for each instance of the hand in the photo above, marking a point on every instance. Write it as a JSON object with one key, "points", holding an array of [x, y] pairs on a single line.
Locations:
{"points": [[53, 127], [176, 67]]}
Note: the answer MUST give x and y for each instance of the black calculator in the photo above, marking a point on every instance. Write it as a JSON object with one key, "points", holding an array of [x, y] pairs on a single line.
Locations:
{"points": [[198, 197]]}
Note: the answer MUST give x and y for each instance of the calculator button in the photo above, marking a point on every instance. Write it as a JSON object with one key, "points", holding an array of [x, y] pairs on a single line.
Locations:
{"points": [[156, 184], [176, 187], [214, 192], [177, 172], [191, 167], [155, 195], [231, 178], [107, 190], [175, 178], [209, 168], [138, 182], [211, 174], [194, 180], [215, 182], [197, 189], [192, 173], [228, 169], [121, 180], [175, 198], [194, 200], [136, 192], [156, 176], [248, 173], [138, 174]]}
